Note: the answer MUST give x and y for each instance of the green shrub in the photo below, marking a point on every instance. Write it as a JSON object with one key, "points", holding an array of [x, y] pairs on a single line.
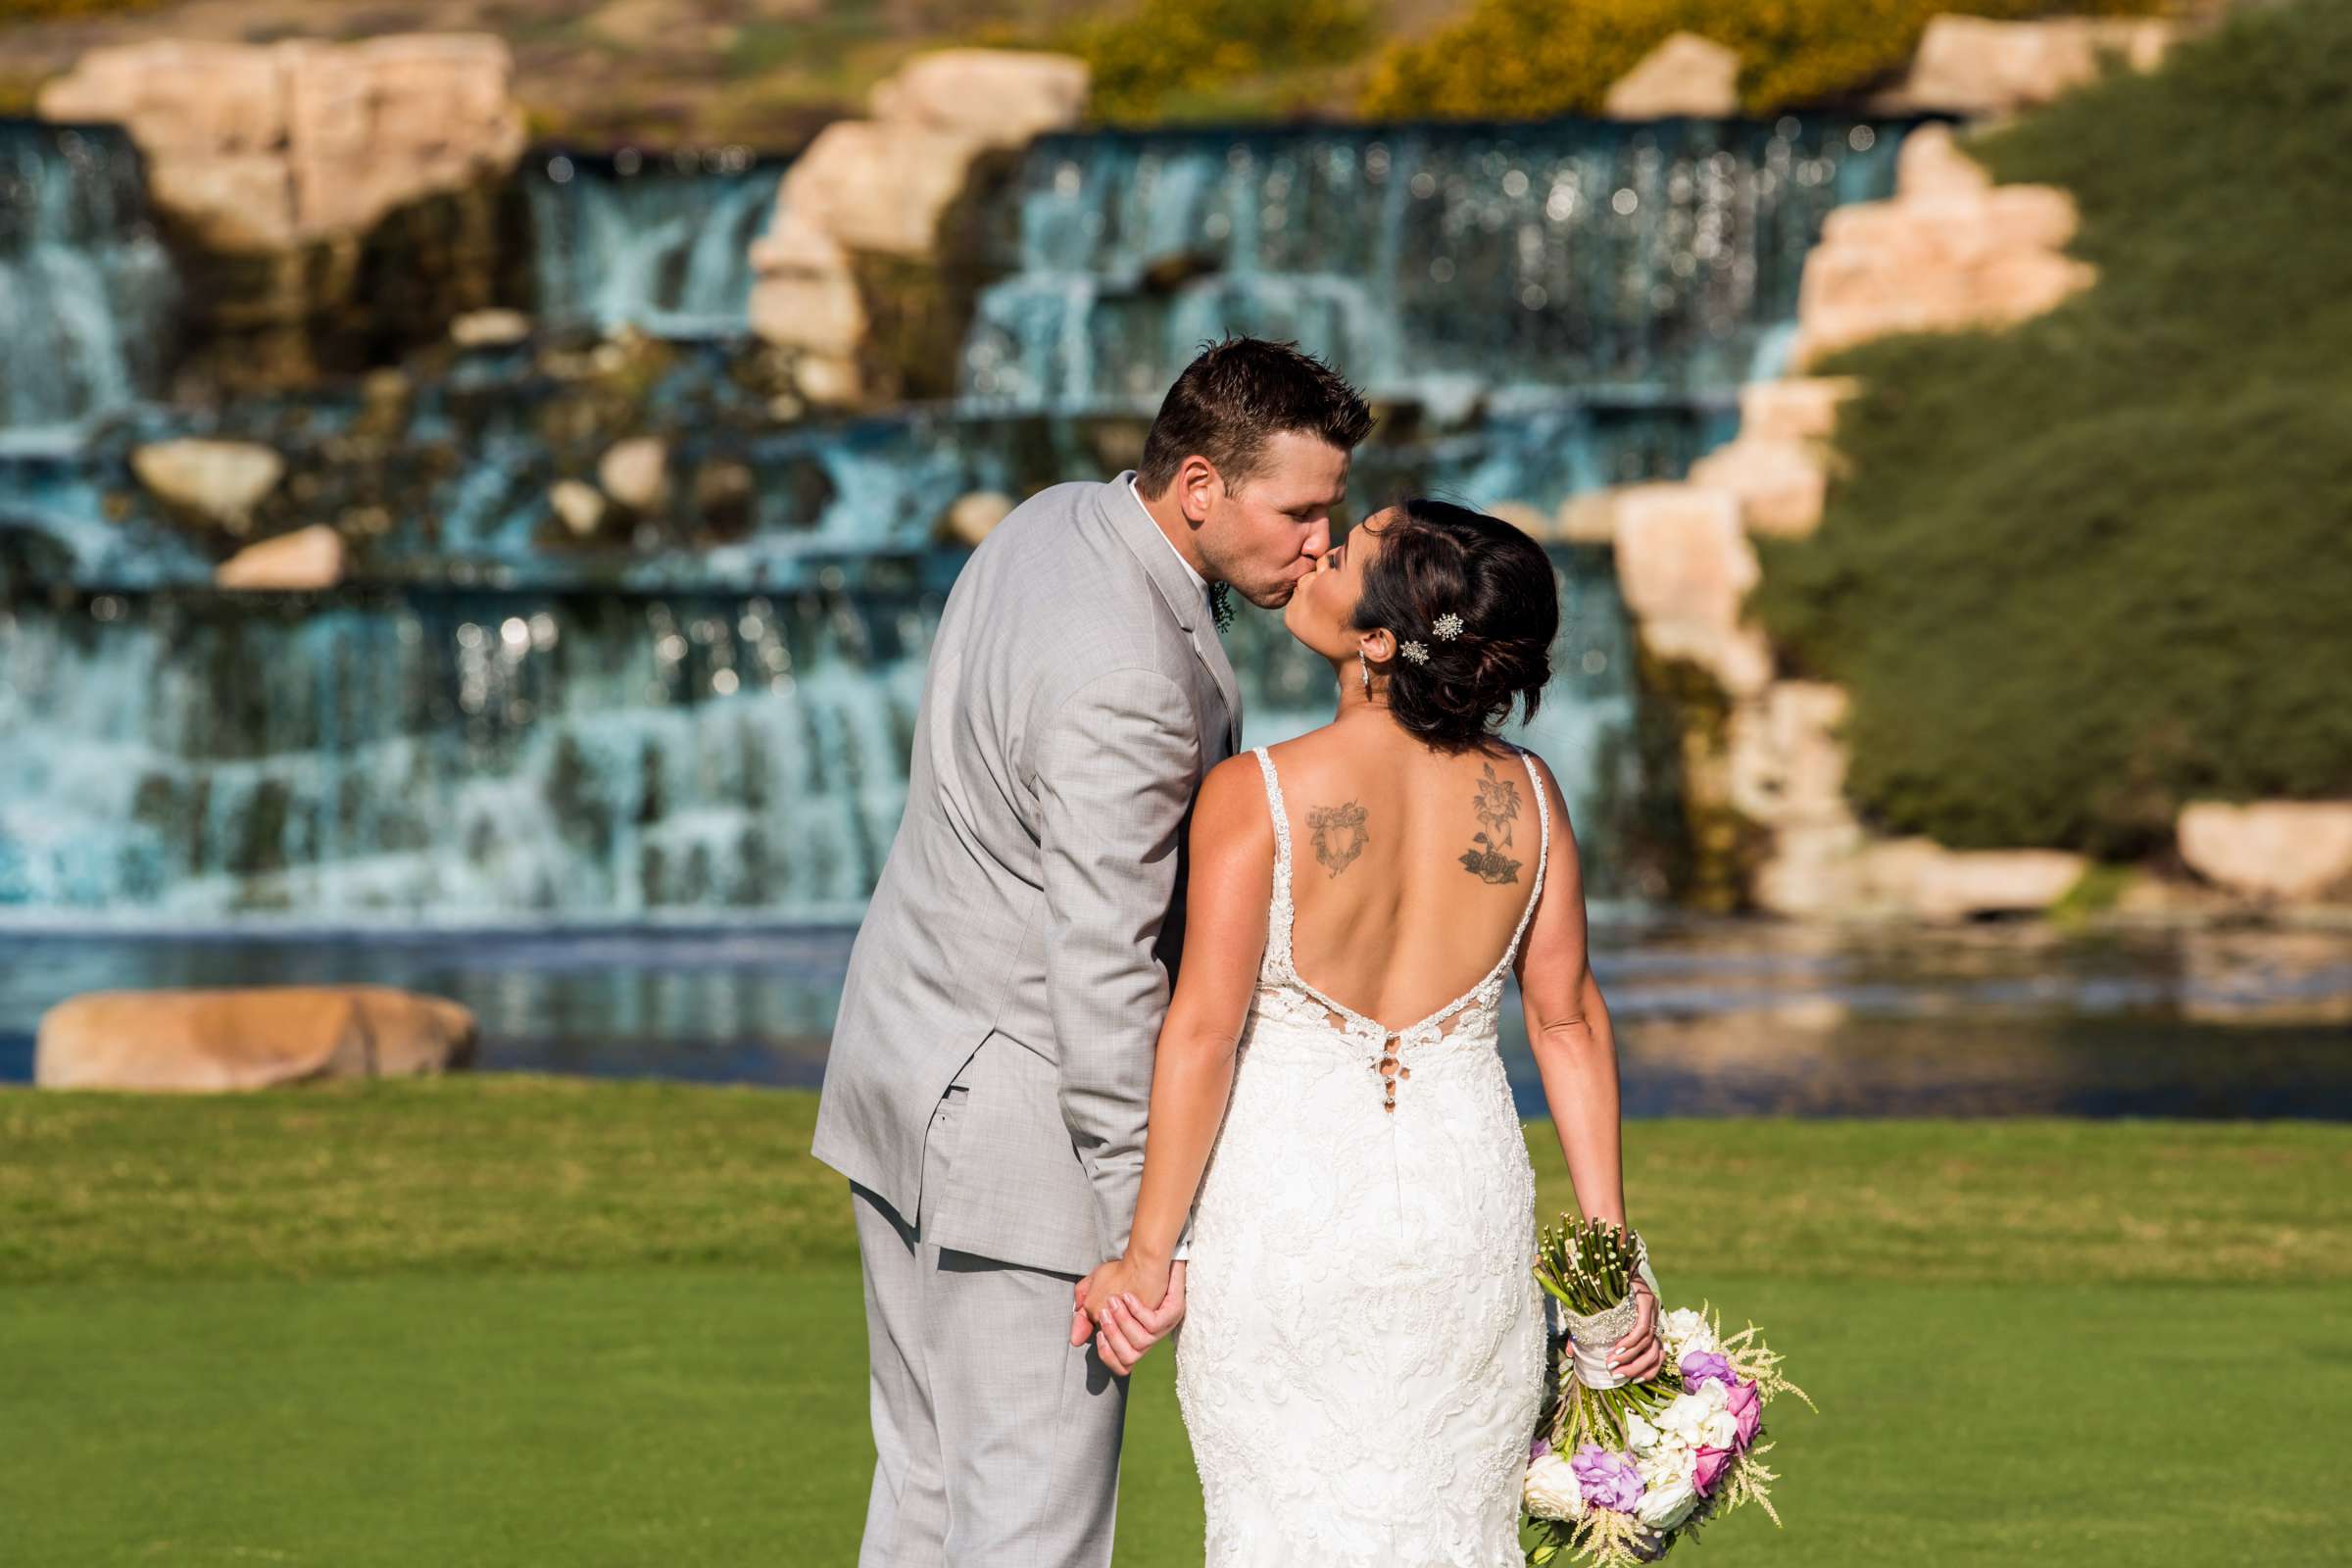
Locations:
{"points": [[1524, 59], [2085, 569], [1173, 49]]}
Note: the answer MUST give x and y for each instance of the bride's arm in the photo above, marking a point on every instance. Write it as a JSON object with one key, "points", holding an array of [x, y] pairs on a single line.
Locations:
{"points": [[1568, 1028], [1576, 1054], [1229, 884]]}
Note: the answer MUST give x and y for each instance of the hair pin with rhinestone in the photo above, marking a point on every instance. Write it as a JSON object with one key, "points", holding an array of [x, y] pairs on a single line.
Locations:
{"points": [[1415, 652]]}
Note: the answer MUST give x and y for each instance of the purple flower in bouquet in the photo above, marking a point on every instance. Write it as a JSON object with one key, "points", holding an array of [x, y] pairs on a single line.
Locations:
{"points": [[1536, 1450], [1609, 1480], [1747, 1410], [1712, 1462], [1706, 1366]]}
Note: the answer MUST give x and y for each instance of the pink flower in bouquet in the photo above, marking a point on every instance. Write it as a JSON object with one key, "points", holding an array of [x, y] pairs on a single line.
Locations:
{"points": [[1609, 1480], [1746, 1410], [1706, 1366], [1712, 1462]]}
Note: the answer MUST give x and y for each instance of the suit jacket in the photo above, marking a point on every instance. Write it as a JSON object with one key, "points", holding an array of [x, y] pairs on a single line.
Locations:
{"points": [[1023, 937]]}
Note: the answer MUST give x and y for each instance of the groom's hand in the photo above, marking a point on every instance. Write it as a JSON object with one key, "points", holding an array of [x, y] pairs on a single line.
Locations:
{"points": [[1123, 1327]]}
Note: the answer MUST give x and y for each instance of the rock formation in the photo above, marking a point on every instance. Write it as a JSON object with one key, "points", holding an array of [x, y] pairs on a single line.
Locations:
{"points": [[864, 272], [210, 1041], [325, 196], [1686, 75]]}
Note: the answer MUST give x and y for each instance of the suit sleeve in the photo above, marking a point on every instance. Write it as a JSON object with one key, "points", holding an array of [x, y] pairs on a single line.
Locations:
{"points": [[1117, 767]]}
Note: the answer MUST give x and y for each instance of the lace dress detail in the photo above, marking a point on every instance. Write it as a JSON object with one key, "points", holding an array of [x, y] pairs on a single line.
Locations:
{"points": [[1361, 1360]]}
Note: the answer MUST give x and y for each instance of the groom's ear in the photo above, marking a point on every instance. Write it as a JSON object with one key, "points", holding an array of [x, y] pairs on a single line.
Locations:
{"points": [[1198, 487]]}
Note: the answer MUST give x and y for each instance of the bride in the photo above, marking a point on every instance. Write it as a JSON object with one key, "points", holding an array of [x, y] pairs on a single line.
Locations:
{"points": [[1361, 1359]]}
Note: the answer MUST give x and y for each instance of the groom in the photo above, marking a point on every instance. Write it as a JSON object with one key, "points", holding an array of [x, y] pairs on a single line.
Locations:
{"points": [[986, 1089]]}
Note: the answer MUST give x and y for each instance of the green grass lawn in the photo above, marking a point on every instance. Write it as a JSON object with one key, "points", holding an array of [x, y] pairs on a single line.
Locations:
{"points": [[513, 1321]]}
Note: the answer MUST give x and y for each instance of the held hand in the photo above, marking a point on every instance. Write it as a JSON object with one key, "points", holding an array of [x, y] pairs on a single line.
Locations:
{"points": [[1639, 1355], [1129, 1307]]}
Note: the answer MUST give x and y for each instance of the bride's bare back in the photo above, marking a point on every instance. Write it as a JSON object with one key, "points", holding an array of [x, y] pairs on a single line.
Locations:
{"points": [[1411, 868]]}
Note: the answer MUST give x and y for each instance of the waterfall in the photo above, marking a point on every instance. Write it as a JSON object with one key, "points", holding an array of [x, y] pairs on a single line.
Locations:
{"points": [[1586, 255], [86, 289], [662, 243], [468, 756], [703, 711]]}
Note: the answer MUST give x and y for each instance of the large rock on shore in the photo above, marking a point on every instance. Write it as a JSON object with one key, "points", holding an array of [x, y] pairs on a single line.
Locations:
{"points": [[212, 1041], [2270, 849]]}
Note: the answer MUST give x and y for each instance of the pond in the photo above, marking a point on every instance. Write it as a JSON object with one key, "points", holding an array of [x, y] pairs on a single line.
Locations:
{"points": [[1714, 1017]]}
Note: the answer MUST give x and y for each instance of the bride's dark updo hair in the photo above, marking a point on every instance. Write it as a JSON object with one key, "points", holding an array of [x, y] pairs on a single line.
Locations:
{"points": [[1435, 560]]}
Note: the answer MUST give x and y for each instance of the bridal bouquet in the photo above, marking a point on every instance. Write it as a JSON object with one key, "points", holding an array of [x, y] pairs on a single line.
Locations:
{"points": [[1619, 1471]]}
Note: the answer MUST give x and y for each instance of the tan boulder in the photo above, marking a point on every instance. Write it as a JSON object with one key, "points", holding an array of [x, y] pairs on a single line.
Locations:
{"points": [[1786, 764], [826, 380], [1944, 256], [222, 481], [489, 328], [261, 147], [1976, 66], [1785, 771], [972, 518], [2270, 849], [873, 186], [1003, 97], [210, 1041], [1797, 409], [1686, 75], [1781, 484], [1686, 566], [803, 293], [310, 557], [578, 505], [635, 472], [1920, 877]]}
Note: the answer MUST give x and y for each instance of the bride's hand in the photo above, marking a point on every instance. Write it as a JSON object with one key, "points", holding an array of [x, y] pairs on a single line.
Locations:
{"points": [[1639, 1355], [1127, 1306]]}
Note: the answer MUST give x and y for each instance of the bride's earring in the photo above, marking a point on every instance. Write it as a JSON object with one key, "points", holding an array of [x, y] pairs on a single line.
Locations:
{"points": [[1364, 664]]}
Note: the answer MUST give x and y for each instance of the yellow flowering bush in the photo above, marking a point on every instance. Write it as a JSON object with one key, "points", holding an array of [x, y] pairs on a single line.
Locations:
{"points": [[1164, 49], [1524, 59]]}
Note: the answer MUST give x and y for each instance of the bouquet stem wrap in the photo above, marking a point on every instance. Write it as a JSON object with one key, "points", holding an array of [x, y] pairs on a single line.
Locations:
{"points": [[1591, 1337]]}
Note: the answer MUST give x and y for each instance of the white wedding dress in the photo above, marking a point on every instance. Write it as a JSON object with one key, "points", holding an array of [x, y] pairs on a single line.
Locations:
{"points": [[1360, 1364]]}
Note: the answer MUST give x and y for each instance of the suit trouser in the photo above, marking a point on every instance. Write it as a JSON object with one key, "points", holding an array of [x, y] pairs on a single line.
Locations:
{"points": [[996, 1443]]}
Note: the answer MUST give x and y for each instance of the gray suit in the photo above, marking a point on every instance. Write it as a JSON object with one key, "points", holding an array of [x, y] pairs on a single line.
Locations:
{"points": [[1019, 952]]}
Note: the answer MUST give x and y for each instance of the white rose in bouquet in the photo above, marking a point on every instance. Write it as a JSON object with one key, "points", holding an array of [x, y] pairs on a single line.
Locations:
{"points": [[1685, 1330], [1668, 1502], [1553, 1492], [1684, 1419], [1640, 1435]]}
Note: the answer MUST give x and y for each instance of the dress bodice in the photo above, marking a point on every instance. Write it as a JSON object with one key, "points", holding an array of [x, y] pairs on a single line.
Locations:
{"points": [[1469, 1023]]}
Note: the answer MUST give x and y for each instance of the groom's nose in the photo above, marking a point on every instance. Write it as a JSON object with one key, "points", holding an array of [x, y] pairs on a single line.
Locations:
{"points": [[1318, 541]]}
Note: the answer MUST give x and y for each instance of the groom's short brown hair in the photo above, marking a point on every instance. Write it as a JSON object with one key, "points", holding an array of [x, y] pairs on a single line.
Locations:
{"points": [[1236, 395]]}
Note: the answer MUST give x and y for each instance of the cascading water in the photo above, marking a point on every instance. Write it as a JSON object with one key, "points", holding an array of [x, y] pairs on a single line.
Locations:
{"points": [[86, 289], [1606, 259], [703, 706], [658, 242]]}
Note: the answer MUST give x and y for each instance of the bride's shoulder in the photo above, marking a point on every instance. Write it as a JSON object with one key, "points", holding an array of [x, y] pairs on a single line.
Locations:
{"points": [[1230, 814]]}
